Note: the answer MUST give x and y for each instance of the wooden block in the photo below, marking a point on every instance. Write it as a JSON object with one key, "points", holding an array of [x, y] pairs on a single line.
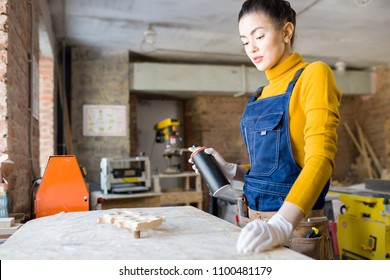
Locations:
{"points": [[135, 221], [137, 234], [7, 222], [19, 217], [9, 230]]}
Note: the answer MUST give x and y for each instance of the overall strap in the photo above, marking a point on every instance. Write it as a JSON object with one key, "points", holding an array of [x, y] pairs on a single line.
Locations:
{"points": [[289, 88], [257, 94], [294, 80]]}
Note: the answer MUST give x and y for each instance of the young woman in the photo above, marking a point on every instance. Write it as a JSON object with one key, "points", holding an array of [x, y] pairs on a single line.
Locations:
{"points": [[289, 128]]}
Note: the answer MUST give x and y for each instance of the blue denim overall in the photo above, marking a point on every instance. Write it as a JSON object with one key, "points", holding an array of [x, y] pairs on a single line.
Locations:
{"points": [[273, 171]]}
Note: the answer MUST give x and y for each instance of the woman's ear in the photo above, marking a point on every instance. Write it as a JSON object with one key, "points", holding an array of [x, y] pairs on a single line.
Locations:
{"points": [[288, 32]]}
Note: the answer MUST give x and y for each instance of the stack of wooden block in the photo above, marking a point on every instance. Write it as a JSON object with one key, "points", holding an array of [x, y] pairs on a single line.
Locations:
{"points": [[133, 220]]}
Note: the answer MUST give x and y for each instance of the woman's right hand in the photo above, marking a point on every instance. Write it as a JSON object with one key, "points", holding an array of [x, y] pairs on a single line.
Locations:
{"points": [[228, 169]]}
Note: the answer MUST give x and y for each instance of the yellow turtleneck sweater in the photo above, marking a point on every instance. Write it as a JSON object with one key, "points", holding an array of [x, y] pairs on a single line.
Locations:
{"points": [[314, 117]]}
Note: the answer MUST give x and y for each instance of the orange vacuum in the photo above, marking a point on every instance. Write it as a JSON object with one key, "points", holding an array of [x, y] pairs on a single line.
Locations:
{"points": [[62, 188]]}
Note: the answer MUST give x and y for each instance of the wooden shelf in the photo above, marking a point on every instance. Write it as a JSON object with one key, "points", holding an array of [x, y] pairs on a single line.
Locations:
{"points": [[186, 194], [159, 196]]}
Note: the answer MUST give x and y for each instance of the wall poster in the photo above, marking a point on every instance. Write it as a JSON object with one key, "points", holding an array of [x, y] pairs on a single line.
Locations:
{"points": [[105, 120]]}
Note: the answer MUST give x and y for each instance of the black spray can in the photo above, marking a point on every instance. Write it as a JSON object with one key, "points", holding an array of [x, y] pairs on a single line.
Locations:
{"points": [[209, 169]]}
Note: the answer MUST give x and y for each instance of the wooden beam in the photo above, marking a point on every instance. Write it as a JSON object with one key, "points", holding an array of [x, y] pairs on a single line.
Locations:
{"points": [[361, 149], [371, 151], [66, 117]]}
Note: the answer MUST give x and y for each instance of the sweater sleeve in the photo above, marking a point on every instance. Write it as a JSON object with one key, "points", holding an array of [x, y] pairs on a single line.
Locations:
{"points": [[320, 99]]}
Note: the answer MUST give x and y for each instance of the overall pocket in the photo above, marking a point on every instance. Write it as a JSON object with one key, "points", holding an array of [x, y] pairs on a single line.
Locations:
{"points": [[265, 196], [262, 137]]}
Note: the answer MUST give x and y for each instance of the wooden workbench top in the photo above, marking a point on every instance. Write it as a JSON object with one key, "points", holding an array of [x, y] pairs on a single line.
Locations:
{"points": [[187, 233]]}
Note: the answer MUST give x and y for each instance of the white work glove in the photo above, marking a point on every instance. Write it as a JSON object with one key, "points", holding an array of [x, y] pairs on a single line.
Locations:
{"points": [[259, 235], [228, 169]]}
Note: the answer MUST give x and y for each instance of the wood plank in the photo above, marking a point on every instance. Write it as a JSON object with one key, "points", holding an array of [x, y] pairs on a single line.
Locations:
{"points": [[366, 158], [354, 140], [371, 151], [9, 230], [360, 149], [7, 222], [181, 197], [151, 201]]}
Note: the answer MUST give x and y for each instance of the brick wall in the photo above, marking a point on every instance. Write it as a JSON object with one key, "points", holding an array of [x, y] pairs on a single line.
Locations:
{"points": [[376, 112], [346, 151], [18, 128], [214, 121], [371, 112], [99, 77]]}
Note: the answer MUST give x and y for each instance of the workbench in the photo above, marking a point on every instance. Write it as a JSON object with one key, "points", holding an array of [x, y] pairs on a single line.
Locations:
{"points": [[188, 233]]}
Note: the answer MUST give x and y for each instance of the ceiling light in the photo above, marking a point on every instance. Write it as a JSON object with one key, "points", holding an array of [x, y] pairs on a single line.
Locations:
{"points": [[362, 3], [341, 67], [150, 35]]}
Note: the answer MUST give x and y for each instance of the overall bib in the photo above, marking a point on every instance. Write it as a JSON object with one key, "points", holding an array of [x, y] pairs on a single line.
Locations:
{"points": [[273, 169]]}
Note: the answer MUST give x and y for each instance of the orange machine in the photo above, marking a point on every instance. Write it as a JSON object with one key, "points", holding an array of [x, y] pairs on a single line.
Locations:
{"points": [[62, 188]]}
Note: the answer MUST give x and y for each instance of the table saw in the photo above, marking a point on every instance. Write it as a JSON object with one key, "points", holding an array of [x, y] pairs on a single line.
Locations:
{"points": [[363, 226]]}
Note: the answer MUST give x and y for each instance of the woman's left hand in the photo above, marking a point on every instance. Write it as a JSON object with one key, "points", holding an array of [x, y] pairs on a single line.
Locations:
{"points": [[258, 235]]}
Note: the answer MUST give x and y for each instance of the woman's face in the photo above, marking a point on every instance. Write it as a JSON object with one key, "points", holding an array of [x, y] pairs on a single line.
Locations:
{"points": [[264, 45]]}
